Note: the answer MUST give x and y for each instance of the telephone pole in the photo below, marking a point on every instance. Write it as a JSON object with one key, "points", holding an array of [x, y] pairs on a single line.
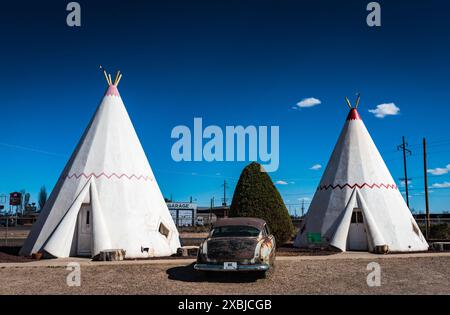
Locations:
{"points": [[425, 174], [210, 211], [225, 186], [303, 206], [404, 148]]}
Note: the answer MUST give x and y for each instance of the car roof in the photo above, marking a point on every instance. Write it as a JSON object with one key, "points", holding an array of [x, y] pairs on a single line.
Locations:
{"points": [[255, 222]]}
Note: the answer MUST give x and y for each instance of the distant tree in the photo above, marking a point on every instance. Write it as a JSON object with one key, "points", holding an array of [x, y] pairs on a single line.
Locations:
{"points": [[42, 197], [22, 202], [256, 196]]}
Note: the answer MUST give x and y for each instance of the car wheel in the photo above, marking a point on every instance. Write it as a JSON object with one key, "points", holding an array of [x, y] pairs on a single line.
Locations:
{"points": [[262, 274]]}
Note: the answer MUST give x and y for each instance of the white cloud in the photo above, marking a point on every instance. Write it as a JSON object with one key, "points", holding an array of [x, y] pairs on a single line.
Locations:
{"points": [[281, 182], [383, 110], [439, 171], [309, 102], [441, 185], [403, 182], [304, 199], [292, 183], [315, 167], [218, 174]]}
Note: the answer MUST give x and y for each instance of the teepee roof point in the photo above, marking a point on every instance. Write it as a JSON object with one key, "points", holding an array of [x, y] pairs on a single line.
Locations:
{"points": [[353, 115], [109, 78], [112, 86]]}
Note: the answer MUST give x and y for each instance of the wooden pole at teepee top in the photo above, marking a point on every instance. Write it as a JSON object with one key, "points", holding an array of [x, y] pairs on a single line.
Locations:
{"points": [[357, 101], [348, 102], [106, 76], [118, 79]]}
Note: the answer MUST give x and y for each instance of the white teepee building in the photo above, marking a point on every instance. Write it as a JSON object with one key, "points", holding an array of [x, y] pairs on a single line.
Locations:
{"points": [[357, 205], [107, 196]]}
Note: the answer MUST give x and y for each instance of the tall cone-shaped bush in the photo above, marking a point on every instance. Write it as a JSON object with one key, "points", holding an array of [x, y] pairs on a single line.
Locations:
{"points": [[256, 196]]}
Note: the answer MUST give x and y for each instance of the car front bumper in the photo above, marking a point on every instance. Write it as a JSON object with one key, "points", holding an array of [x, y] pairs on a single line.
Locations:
{"points": [[217, 267]]}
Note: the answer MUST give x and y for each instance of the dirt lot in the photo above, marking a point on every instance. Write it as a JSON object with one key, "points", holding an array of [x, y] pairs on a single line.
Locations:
{"points": [[293, 275]]}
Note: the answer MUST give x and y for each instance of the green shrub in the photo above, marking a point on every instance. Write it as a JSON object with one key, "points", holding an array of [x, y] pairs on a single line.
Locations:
{"points": [[256, 196]]}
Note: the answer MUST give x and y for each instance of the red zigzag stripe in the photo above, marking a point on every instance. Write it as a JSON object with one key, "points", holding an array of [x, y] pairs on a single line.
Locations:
{"points": [[379, 186], [118, 176]]}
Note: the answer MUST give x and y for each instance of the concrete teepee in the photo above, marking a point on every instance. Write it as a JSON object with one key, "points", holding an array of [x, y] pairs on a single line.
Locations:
{"points": [[107, 196], [357, 205]]}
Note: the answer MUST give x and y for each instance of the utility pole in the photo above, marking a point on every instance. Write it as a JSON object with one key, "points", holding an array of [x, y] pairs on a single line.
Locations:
{"points": [[405, 150], [425, 174], [210, 211], [303, 206], [225, 186]]}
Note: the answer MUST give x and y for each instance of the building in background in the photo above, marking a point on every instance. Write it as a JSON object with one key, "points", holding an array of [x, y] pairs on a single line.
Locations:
{"points": [[183, 213]]}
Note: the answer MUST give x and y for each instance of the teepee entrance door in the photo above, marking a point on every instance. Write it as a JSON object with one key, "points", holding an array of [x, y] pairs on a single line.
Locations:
{"points": [[357, 235], [84, 230]]}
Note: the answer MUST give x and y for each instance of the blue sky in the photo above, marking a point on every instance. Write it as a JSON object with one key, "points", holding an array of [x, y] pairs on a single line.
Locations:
{"points": [[231, 63]]}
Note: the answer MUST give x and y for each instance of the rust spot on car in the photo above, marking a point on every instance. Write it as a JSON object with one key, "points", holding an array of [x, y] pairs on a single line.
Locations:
{"points": [[225, 249], [244, 241]]}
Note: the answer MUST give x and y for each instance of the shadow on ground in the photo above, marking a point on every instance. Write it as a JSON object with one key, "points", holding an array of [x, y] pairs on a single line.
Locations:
{"points": [[10, 254], [189, 274]]}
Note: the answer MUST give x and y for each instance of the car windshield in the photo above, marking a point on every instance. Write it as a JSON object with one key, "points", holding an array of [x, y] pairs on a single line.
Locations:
{"points": [[235, 231]]}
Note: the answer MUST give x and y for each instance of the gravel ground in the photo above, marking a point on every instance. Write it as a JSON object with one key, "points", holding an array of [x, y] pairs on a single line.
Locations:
{"points": [[428, 275]]}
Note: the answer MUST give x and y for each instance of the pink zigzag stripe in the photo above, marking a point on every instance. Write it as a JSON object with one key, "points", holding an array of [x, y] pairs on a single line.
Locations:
{"points": [[379, 186], [120, 176]]}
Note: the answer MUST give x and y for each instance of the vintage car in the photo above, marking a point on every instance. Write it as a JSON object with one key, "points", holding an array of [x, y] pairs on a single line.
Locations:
{"points": [[237, 244]]}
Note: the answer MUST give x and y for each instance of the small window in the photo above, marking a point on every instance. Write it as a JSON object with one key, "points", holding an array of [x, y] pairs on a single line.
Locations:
{"points": [[353, 217], [88, 213], [163, 230], [357, 217], [415, 229]]}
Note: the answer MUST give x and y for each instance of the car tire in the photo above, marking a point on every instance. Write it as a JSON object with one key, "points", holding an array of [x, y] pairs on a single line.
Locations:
{"points": [[262, 274]]}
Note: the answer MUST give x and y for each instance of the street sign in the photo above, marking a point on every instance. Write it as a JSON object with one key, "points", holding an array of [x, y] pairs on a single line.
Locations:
{"points": [[15, 199]]}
